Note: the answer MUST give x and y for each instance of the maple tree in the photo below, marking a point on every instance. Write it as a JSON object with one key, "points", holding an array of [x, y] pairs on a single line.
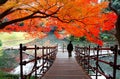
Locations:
{"points": [[117, 24], [76, 17]]}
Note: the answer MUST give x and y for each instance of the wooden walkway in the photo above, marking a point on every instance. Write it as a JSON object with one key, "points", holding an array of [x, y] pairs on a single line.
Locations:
{"points": [[65, 68]]}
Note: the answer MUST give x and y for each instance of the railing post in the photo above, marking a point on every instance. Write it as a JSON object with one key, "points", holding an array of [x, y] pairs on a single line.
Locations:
{"points": [[80, 54], [84, 58], [88, 59], [47, 56], [63, 47], [21, 67], [97, 62], [50, 54], [35, 62], [43, 58], [115, 61]]}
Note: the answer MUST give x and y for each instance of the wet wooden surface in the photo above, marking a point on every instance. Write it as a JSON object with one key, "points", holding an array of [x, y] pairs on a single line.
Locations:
{"points": [[65, 68]]}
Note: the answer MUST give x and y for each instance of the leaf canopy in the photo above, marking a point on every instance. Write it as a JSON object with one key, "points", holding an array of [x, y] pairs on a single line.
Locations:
{"points": [[74, 17]]}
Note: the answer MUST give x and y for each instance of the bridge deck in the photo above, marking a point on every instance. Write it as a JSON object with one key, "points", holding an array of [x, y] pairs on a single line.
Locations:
{"points": [[65, 68]]}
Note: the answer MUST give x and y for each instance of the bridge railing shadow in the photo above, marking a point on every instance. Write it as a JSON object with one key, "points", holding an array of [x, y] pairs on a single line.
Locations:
{"points": [[86, 55], [41, 63]]}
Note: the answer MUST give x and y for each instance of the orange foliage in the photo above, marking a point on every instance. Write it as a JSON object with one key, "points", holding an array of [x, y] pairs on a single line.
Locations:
{"points": [[109, 22], [58, 35], [75, 17]]}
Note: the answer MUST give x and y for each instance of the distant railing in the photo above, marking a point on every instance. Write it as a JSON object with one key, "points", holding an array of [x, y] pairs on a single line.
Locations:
{"points": [[83, 56], [45, 60]]}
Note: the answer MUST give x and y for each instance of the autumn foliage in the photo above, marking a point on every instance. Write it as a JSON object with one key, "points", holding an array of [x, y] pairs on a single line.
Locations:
{"points": [[71, 17]]}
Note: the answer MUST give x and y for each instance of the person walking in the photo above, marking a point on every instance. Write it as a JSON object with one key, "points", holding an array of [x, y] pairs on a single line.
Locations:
{"points": [[70, 49]]}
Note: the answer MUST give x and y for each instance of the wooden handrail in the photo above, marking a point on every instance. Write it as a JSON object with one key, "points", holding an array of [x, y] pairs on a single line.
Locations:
{"points": [[84, 54], [50, 53]]}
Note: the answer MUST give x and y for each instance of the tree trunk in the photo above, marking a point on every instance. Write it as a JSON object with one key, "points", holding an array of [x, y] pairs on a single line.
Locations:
{"points": [[117, 25], [117, 35]]}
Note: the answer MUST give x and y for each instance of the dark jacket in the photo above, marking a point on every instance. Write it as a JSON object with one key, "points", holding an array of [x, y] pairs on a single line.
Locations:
{"points": [[70, 47]]}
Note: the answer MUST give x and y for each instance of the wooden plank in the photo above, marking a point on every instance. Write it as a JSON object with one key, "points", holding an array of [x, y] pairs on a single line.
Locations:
{"points": [[65, 68]]}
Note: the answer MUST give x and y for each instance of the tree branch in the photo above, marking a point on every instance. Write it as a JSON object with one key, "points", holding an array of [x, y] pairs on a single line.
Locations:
{"points": [[3, 25], [110, 6], [3, 2], [6, 12], [44, 15]]}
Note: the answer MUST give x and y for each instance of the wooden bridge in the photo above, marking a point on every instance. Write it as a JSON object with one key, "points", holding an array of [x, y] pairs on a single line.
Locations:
{"points": [[65, 68], [60, 66]]}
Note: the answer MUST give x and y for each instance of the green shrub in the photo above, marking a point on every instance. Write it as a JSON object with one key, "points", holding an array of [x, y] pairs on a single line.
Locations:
{"points": [[4, 75], [0, 43]]}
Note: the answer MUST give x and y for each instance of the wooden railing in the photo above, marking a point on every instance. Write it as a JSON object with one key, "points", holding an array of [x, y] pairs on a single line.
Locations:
{"points": [[45, 60], [83, 56]]}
